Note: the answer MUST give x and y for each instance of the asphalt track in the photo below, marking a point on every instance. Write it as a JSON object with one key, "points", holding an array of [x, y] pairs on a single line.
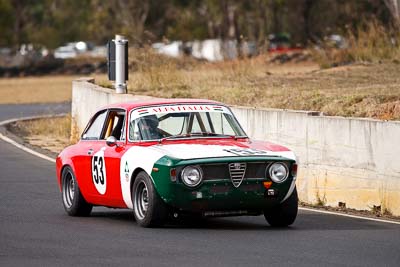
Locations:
{"points": [[35, 231]]}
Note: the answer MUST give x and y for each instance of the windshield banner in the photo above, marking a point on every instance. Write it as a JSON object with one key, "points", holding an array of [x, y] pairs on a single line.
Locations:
{"points": [[177, 109]]}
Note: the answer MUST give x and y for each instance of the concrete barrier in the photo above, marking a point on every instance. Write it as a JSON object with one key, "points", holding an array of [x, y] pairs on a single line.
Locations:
{"points": [[88, 97], [349, 160]]}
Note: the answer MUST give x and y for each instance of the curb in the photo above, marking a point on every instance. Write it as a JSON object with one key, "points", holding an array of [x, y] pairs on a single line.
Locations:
{"points": [[349, 215], [3, 137]]}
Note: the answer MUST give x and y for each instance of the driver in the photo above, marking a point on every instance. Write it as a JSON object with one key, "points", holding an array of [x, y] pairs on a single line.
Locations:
{"points": [[148, 128]]}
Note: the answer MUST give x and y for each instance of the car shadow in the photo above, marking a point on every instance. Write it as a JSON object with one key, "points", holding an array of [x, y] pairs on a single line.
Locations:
{"points": [[306, 221]]}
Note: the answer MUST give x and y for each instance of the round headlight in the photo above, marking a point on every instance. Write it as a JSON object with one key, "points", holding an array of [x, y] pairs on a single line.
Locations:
{"points": [[192, 176], [278, 172]]}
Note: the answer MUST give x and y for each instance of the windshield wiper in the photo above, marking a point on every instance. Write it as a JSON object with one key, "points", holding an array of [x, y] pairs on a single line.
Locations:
{"points": [[204, 134], [236, 137], [176, 136]]}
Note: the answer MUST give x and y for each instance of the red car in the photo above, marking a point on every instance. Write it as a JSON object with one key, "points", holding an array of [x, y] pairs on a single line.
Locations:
{"points": [[176, 156]]}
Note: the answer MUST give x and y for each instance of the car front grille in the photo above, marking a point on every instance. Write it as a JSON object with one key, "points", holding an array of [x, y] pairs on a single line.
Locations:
{"points": [[236, 174]]}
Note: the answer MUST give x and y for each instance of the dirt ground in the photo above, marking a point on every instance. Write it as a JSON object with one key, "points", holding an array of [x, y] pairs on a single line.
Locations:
{"points": [[358, 90], [44, 89], [34, 89]]}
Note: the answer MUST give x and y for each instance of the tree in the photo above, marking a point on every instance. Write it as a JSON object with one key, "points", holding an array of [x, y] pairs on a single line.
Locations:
{"points": [[54, 22], [132, 17], [394, 8], [21, 10], [308, 5], [6, 22]]}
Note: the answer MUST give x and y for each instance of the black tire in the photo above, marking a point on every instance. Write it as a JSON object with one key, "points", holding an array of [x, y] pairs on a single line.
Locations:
{"points": [[72, 198], [148, 207], [285, 213]]}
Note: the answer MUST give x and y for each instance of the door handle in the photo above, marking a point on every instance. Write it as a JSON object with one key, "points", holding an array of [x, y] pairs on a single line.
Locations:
{"points": [[90, 152]]}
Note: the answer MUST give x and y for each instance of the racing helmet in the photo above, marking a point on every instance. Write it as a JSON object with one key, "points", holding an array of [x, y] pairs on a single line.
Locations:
{"points": [[150, 121]]}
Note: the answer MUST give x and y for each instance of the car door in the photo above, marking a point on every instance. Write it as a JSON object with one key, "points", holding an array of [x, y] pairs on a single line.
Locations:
{"points": [[100, 163], [89, 164], [115, 126]]}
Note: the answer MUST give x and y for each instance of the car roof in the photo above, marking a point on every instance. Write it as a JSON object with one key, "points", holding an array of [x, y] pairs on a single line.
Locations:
{"points": [[159, 101]]}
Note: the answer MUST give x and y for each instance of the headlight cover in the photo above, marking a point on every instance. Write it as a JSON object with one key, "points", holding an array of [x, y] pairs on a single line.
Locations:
{"points": [[278, 172], [192, 175]]}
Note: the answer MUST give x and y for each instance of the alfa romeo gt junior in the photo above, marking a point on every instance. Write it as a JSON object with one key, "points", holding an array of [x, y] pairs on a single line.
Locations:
{"points": [[176, 156]]}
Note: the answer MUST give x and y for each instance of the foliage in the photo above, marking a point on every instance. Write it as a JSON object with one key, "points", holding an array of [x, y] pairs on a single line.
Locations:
{"points": [[54, 22]]}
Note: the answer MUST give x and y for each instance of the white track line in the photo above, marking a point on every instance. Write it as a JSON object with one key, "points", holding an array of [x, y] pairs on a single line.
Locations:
{"points": [[24, 148], [20, 146], [348, 215], [10, 141]]}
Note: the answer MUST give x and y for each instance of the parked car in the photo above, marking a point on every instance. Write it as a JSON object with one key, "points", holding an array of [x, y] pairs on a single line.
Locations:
{"points": [[73, 49], [281, 43], [170, 157]]}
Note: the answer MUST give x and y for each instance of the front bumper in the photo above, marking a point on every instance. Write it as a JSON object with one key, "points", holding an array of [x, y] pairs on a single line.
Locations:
{"points": [[219, 194]]}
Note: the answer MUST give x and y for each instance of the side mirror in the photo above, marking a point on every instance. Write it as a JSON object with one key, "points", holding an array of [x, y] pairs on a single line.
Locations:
{"points": [[111, 141]]}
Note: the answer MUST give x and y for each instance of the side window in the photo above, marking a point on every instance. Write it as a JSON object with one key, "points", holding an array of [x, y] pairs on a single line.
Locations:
{"points": [[93, 132], [115, 125], [123, 129]]}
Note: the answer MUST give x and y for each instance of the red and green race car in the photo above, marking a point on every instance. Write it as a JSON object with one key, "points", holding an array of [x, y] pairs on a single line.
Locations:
{"points": [[176, 156]]}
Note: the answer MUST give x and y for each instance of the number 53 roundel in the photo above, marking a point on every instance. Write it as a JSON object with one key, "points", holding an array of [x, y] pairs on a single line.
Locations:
{"points": [[99, 172]]}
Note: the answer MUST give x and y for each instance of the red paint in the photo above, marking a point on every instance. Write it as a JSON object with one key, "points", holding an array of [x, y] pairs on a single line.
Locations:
{"points": [[284, 50], [77, 157], [263, 145]]}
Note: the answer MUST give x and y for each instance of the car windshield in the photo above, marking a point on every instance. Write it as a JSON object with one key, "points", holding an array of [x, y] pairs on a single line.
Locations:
{"points": [[183, 121]]}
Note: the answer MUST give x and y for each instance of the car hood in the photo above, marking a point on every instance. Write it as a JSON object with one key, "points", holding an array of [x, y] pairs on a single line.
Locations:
{"points": [[220, 148]]}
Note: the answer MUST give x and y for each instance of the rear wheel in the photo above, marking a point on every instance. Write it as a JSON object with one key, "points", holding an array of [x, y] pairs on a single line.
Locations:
{"points": [[72, 198], [148, 208], [285, 213]]}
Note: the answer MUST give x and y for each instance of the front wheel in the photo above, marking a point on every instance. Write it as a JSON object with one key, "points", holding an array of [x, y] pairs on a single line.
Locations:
{"points": [[72, 198], [148, 208], [285, 213]]}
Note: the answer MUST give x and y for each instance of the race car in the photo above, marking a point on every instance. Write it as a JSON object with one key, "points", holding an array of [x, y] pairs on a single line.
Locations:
{"points": [[166, 157]]}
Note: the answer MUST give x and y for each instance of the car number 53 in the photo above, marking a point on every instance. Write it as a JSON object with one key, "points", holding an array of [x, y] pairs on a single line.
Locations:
{"points": [[99, 172]]}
